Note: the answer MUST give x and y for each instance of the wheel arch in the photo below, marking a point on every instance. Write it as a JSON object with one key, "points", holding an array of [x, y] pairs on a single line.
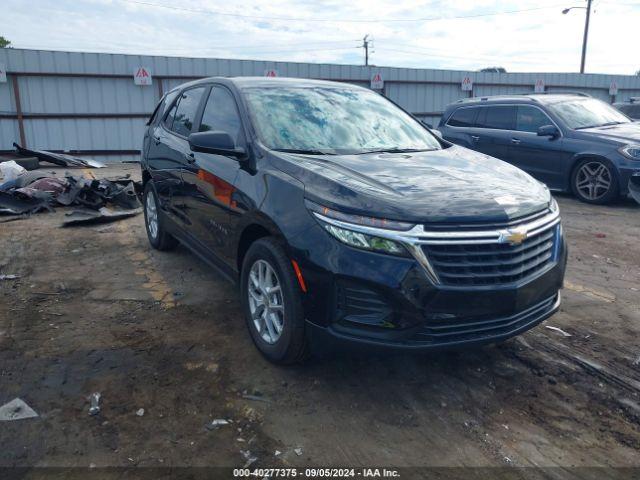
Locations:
{"points": [[254, 229], [577, 159]]}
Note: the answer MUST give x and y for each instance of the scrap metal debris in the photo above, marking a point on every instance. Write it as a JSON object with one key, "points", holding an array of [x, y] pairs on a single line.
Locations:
{"points": [[16, 409], [248, 457], [86, 216], [103, 200], [217, 423], [559, 330], [9, 276], [94, 409], [61, 159], [140, 412]]}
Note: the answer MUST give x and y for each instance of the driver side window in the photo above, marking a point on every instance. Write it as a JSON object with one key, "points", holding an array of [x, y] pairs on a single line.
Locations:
{"points": [[221, 114], [530, 119]]}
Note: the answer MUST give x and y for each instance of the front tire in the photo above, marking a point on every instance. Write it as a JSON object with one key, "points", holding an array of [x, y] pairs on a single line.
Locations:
{"points": [[594, 181], [158, 237], [272, 303]]}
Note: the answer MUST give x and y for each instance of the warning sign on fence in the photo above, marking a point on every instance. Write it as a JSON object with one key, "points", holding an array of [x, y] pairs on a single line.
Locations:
{"points": [[377, 82], [142, 76], [467, 84], [271, 73]]}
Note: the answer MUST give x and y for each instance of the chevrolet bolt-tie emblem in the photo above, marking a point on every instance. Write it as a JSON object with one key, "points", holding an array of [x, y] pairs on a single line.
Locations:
{"points": [[513, 237]]}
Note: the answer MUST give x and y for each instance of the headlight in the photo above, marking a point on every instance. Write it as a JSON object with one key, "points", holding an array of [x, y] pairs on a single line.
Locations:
{"points": [[553, 205], [631, 151], [362, 240], [355, 238]]}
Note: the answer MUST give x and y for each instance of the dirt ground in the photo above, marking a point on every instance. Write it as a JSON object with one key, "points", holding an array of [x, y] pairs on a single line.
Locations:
{"points": [[97, 310]]}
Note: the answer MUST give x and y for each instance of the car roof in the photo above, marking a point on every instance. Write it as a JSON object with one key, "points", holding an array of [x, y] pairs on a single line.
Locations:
{"points": [[527, 98], [270, 82]]}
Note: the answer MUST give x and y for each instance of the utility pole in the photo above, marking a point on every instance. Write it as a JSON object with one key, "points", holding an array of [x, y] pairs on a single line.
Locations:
{"points": [[365, 45], [586, 35]]}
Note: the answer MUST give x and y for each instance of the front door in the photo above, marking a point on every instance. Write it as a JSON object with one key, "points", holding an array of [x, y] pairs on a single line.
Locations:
{"points": [[541, 157], [209, 180]]}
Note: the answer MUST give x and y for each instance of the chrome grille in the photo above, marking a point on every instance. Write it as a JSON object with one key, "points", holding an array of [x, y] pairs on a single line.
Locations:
{"points": [[476, 264]]}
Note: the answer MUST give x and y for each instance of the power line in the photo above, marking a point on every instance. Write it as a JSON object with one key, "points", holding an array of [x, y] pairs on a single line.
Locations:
{"points": [[330, 20]]}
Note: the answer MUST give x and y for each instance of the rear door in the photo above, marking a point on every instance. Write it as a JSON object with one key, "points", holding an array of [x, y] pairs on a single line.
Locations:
{"points": [[164, 170], [172, 147], [460, 127], [542, 157], [494, 126], [209, 179]]}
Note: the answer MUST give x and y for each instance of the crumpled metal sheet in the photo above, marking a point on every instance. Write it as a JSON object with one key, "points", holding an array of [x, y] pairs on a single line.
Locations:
{"points": [[104, 215], [96, 194], [14, 204], [51, 185], [61, 159]]}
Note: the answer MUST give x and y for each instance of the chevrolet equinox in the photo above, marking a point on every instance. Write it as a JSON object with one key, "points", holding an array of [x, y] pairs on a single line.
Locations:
{"points": [[341, 216]]}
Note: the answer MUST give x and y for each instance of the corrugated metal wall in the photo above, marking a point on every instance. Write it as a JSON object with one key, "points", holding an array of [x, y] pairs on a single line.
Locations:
{"points": [[88, 101]]}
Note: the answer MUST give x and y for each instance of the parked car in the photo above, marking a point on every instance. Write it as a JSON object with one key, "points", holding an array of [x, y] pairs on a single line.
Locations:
{"points": [[570, 142], [631, 108], [342, 217]]}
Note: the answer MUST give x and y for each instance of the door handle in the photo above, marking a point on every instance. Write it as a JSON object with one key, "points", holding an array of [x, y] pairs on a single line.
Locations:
{"points": [[515, 141], [475, 138], [191, 158], [156, 140]]}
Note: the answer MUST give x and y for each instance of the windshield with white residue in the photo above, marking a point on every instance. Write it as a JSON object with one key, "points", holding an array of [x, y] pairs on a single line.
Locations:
{"points": [[333, 120], [587, 113]]}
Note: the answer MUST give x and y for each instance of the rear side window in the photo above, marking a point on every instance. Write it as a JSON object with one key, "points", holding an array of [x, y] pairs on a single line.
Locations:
{"points": [[497, 117], [182, 115], [221, 114], [463, 117], [530, 119]]}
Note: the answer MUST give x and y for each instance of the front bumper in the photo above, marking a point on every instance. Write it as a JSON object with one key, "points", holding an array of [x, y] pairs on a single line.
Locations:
{"points": [[383, 300]]}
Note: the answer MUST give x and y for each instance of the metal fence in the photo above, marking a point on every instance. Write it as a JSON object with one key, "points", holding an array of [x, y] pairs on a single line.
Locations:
{"points": [[88, 103]]}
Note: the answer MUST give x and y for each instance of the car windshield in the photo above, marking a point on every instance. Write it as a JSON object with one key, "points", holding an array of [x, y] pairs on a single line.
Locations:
{"points": [[587, 113], [333, 120]]}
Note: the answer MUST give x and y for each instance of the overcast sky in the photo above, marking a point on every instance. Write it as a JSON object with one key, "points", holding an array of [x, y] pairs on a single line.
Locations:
{"points": [[408, 33]]}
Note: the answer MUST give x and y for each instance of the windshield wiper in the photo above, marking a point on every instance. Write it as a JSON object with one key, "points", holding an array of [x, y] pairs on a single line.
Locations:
{"points": [[396, 150], [303, 151], [608, 124]]}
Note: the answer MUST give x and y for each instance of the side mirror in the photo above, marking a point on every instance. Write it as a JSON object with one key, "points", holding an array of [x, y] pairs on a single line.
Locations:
{"points": [[216, 142], [548, 131], [437, 133]]}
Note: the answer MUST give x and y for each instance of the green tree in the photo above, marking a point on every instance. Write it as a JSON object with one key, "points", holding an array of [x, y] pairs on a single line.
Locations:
{"points": [[4, 43]]}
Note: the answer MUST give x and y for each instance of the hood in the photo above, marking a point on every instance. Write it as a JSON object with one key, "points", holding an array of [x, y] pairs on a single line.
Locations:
{"points": [[450, 185], [623, 134]]}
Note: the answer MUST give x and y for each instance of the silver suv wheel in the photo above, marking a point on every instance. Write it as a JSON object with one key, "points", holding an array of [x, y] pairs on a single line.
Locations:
{"points": [[265, 301]]}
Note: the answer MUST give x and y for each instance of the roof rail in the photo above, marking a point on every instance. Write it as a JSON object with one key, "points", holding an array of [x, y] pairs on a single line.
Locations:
{"points": [[559, 92]]}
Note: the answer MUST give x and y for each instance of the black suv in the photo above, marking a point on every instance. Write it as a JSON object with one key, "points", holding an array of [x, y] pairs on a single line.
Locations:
{"points": [[571, 142], [342, 216]]}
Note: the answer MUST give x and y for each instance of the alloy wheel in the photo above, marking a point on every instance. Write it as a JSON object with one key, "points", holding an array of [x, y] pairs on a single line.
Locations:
{"points": [[266, 303], [152, 214], [593, 180]]}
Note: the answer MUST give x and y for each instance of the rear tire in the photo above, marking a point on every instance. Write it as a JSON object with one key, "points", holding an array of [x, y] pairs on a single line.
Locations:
{"points": [[154, 221], [272, 303], [595, 181]]}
